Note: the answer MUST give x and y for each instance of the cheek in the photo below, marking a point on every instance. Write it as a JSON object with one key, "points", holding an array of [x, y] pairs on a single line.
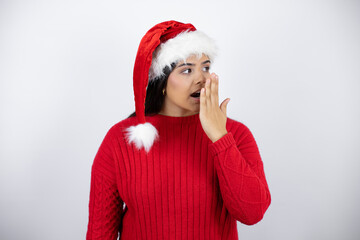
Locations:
{"points": [[207, 74], [177, 88]]}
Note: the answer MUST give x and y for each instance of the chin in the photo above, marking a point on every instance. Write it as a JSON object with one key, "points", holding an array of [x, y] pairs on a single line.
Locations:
{"points": [[196, 110]]}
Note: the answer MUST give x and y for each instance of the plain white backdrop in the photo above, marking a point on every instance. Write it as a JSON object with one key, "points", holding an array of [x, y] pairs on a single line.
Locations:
{"points": [[291, 69]]}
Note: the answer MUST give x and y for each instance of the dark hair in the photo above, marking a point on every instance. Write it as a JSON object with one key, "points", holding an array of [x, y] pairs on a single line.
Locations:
{"points": [[154, 96]]}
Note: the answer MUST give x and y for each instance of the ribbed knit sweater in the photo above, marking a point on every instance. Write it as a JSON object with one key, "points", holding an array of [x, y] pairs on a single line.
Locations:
{"points": [[185, 187]]}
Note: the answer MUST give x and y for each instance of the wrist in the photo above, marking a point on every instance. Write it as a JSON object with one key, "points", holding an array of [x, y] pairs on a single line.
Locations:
{"points": [[218, 136]]}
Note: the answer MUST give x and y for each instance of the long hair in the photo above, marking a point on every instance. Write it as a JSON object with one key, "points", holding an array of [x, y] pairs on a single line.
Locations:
{"points": [[154, 97]]}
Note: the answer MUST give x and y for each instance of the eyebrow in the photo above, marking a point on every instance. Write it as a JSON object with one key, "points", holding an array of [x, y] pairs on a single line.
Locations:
{"points": [[191, 64]]}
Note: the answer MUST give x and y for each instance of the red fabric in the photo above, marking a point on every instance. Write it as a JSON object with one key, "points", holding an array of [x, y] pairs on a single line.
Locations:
{"points": [[186, 187], [156, 35]]}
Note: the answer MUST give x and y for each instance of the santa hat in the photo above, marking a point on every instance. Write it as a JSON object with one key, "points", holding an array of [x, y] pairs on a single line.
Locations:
{"points": [[163, 44]]}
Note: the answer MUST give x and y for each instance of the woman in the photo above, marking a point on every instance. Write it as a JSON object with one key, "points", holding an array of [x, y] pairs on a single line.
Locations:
{"points": [[178, 164]]}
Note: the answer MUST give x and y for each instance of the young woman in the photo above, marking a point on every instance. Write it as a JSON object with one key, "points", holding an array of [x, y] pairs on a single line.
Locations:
{"points": [[178, 167]]}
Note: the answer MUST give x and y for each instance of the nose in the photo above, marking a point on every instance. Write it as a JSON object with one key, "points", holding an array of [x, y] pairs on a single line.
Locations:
{"points": [[201, 78]]}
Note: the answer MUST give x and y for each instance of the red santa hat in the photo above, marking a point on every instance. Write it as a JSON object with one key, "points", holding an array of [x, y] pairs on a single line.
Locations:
{"points": [[163, 44]]}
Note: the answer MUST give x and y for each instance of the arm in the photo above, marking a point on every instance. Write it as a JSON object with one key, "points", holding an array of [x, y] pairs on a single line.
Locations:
{"points": [[241, 176], [105, 204]]}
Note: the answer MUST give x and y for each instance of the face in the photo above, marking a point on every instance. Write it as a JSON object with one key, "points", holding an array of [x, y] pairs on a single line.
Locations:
{"points": [[185, 79]]}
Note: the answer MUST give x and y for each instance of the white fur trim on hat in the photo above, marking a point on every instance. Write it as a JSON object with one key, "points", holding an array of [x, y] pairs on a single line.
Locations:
{"points": [[143, 135], [180, 48]]}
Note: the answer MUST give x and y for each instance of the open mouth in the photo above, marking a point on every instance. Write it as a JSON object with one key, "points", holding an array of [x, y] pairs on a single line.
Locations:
{"points": [[195, 94]]}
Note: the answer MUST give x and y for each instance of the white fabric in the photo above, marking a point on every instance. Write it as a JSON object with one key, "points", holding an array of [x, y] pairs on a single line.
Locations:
{"points": [[143, 135], [180, 48]]}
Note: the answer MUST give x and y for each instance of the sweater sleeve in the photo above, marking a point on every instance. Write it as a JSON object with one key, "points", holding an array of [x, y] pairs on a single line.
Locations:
{"points": [[241, 176], [105, 204]]}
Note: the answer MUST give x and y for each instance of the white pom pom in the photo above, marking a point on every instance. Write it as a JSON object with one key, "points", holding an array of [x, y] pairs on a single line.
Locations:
{"points": [[143, 135]]}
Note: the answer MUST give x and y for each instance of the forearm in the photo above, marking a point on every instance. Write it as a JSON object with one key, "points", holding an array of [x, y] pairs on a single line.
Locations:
{"points": [[244, 188]]}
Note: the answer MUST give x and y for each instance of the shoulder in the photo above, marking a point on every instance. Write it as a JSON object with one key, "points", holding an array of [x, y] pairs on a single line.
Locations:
{"points": [[238, 129]]}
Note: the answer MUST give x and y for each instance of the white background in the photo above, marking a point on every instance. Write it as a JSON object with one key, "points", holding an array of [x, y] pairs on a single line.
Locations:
{"points": [[291, 69]]}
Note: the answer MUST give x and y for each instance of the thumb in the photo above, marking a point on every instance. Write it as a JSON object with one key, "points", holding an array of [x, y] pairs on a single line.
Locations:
{"points": [[224, 104]]}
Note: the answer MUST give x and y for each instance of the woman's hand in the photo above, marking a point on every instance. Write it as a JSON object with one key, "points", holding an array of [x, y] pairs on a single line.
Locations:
{"points": [[212, 117]]}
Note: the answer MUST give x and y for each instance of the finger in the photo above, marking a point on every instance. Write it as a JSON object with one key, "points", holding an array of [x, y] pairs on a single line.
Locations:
{"points": [[202, 99], [214, 91], [208, 93]]}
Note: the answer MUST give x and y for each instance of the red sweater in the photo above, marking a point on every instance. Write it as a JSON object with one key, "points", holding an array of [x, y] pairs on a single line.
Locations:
{"points": [[185, 187]]}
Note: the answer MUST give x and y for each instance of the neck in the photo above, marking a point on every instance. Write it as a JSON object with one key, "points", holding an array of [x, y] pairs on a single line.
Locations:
{"points": [[168, 121], [170, 109]]}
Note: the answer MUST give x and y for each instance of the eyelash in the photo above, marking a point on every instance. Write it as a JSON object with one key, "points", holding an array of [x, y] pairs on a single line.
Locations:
{"points": [[207, 69]]}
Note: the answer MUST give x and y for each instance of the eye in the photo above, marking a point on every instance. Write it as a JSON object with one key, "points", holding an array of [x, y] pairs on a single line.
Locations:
{"points": [[206, 69], [186, 71]]}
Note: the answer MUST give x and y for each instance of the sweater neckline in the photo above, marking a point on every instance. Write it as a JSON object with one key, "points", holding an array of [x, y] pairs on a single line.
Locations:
{"points": [[176, 120]]}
